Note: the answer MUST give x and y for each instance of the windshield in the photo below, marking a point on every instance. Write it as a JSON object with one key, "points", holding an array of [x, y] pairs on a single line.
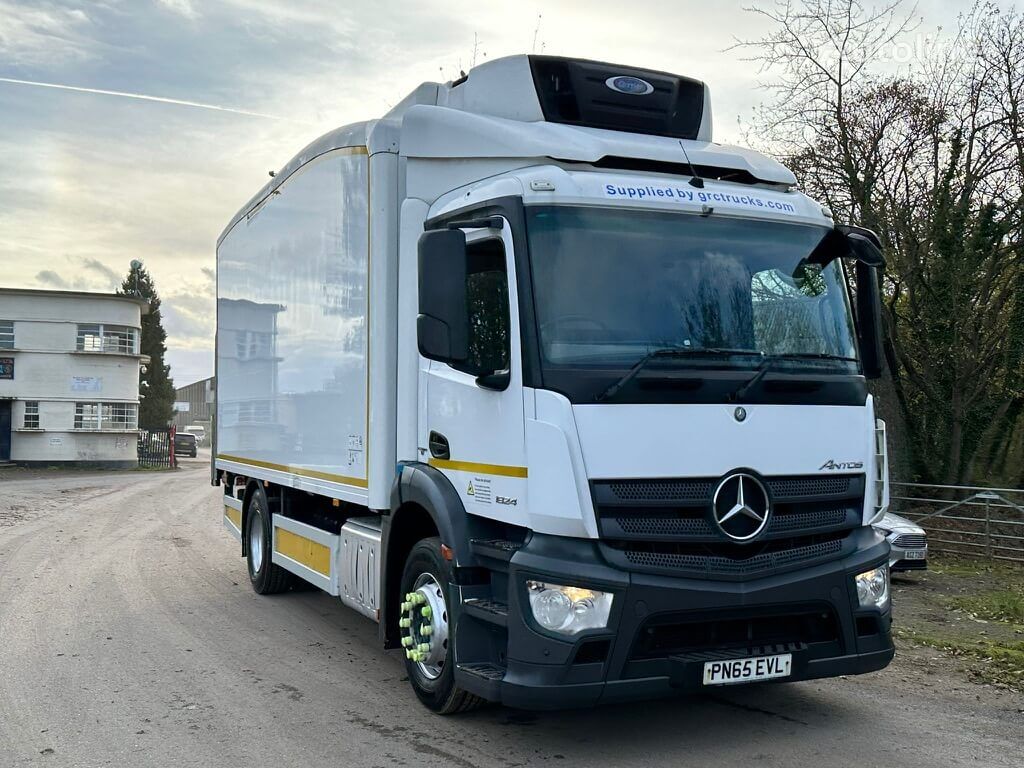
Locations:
{"points": [[613, 285]]}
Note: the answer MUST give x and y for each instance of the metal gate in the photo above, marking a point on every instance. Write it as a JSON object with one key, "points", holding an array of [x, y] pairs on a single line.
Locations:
{"points": [[156, 448], [964, 519]]}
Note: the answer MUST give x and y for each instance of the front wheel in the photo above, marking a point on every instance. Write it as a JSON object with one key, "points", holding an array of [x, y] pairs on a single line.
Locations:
{"points": [[426, 637]]}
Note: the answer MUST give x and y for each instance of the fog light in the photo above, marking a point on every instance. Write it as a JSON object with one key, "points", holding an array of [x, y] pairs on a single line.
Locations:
{"points": [[568, 610], [873, 588]]}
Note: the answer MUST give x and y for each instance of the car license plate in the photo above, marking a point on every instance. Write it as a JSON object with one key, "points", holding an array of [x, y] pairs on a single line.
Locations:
{"points": [[915, 554], [730, 671]]}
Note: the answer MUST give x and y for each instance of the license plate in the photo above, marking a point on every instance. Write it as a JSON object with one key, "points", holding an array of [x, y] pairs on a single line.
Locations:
{"points": [[915, 554], [731, 671]]}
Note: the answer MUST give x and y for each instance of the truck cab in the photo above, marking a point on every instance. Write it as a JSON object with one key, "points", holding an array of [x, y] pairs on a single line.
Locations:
{"points": [[618, 441]]}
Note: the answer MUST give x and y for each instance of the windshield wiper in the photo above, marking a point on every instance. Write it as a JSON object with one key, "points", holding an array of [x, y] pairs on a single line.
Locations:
{"points": [[666, 352], [767, 364]]}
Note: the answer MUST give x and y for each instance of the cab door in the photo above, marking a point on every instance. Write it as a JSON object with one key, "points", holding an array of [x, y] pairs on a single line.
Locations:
{"points": [[471, 427]]}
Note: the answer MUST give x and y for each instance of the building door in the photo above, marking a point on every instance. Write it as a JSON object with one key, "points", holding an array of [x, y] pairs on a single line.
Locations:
{"points": [[5, 430]]}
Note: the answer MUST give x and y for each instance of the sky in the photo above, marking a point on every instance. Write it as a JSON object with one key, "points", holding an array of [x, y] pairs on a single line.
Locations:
{"points": [[90, 180]]}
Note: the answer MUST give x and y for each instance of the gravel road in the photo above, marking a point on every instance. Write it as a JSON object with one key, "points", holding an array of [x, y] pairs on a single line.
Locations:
{"points": [[129, 636]]}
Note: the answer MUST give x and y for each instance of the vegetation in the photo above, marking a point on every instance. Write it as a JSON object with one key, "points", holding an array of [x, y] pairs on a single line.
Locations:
{"points": [[971, 610], [156, 388], [930, 154], [989, 661], [1002, 605]]}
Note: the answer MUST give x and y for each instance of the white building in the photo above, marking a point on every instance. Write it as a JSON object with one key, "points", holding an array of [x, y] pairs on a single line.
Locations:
{"points": [[69, 377]]}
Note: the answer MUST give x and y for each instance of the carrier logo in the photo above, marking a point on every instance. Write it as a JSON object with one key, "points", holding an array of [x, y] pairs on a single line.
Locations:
{"points": [[740, 507], [834, 465], [633, 86]]}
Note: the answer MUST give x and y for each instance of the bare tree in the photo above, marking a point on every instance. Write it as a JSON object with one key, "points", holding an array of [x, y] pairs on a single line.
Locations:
{"points": [[931, 157]]}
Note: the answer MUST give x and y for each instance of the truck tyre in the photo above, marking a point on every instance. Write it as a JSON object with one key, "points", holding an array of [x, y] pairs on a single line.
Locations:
{"points": [[426, 641], [266, 577]]}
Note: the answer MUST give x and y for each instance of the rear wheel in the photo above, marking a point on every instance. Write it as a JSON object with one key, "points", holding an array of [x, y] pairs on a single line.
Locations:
{"points": [[266, 577], [426, 638]]}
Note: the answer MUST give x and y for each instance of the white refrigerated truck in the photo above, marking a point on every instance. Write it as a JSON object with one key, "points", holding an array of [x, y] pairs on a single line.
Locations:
{"points": [[567, 397]]}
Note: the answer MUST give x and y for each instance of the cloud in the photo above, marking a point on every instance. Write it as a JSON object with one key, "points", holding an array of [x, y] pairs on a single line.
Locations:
{"points": [[112, 278], [181, 7], [51, 279], [43, 33]]}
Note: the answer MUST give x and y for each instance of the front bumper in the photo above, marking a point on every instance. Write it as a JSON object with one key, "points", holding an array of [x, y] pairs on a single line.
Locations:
{"points": [[898, 560], [662, 629]]}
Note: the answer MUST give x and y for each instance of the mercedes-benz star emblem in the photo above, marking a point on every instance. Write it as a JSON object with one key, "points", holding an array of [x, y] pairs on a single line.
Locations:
{"points": [[740, 413], [740, 506]]}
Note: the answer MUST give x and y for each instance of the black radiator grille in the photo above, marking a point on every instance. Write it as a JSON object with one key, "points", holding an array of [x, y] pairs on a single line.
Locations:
{"points": [[725, 560], [701, 489], [666, 525], [647, 526]]}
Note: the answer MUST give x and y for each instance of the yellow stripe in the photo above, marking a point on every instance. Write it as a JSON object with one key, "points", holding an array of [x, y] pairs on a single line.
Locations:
{"points": [[234, 515], [311, 554], [369, 317], [356, 481], [483, 469]]}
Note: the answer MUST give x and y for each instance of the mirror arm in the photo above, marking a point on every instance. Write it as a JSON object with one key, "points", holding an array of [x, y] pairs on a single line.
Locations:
{"points": [[496, 380]]}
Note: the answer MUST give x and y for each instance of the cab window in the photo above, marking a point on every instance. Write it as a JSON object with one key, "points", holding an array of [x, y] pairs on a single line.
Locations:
{"points": [[487, 290]]}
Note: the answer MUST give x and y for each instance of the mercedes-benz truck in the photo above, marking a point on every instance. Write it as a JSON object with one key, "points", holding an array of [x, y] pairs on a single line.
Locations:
{"points": [[567, 397]]}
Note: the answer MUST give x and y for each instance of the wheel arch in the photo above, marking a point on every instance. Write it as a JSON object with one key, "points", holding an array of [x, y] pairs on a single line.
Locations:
{"points": [[423, 503]]}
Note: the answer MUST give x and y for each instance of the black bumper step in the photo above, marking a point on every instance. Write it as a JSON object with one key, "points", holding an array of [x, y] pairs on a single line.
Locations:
{"points": [[481, 678], [488, 610]]}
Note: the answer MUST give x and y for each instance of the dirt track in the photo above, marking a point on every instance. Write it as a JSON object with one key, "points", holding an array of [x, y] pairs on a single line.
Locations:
{"points": [[129, 636]]}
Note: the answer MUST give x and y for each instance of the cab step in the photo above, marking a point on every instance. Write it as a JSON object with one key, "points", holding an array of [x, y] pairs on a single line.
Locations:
{"points": [[490, 611], [481, 678]]}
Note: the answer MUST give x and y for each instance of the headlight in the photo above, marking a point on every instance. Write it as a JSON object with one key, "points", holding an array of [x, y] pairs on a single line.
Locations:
{"points": [[568, 610], [873, 588]]}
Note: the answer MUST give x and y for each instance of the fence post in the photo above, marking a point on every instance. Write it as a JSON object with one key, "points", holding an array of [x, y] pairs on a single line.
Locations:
{"points": [[988, 522]]}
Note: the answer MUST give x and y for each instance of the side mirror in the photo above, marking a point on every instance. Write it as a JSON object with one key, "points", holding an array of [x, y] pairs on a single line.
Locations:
{"points": [[865, 246], [865, 251], [869, 318], [442, 327]]}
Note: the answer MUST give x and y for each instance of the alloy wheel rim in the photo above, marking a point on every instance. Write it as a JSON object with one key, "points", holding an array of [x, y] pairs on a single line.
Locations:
{"points": [[256, 541], [424, 623]]}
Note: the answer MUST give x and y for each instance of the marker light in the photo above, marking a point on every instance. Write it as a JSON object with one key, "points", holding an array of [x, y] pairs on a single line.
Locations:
{"points": [[568, 610], [873, 588]]}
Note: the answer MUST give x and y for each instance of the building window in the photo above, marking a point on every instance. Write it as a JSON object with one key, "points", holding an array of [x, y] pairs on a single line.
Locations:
{"points": [[6, 334], [253, 345], [120, 416], [248, 412], [118, 339], [31, 420], [106, 416], [87, 416]]}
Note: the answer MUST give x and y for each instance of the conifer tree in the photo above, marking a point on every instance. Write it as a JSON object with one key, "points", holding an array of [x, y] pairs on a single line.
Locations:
{"points": [[156, 388]]}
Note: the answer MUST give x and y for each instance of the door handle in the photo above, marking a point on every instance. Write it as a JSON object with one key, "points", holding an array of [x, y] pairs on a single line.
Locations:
{"points": [[438, 446]]}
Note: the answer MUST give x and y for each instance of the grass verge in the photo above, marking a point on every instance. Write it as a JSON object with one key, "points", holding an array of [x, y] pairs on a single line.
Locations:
{"points": [[990, 661], [972, 610]]}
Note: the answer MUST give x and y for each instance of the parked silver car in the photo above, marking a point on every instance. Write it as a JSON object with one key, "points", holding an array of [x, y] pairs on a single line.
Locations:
{"points": [[908, 541]]}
